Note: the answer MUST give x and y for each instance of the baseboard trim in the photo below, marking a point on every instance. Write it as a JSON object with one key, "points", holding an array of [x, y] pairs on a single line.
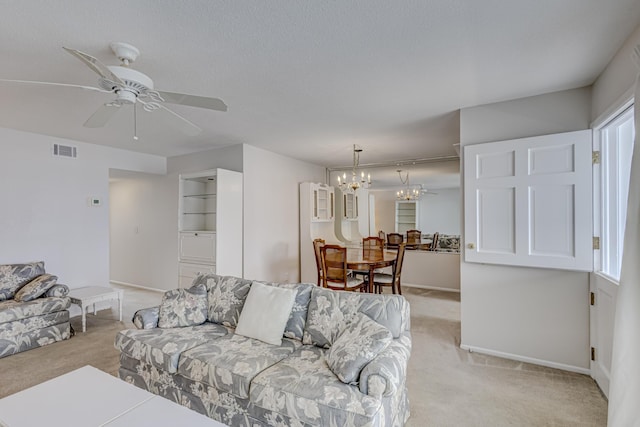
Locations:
{"points": [[526, 359], [132, 285], [431, 288]]}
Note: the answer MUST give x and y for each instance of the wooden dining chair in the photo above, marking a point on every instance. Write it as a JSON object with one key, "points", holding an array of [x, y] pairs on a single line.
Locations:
{"points": [[372, 248], [414, 237], [382, 235], [434, 241], [393, 279], [317, 244], [394, 239], [334, 267]]}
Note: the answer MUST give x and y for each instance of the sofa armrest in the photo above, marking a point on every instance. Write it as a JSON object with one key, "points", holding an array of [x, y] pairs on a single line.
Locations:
{"points": [[57, 290], [388, 370], [146, 318]]}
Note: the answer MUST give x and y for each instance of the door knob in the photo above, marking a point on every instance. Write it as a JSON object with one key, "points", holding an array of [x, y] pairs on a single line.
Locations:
{"points": [[471, 245]]}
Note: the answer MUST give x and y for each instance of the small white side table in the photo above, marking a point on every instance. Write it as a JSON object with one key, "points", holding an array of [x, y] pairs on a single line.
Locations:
{"points": [[90, 295]]}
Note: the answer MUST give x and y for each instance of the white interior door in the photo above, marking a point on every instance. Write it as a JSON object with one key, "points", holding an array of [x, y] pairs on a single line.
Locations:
{"points": [[602, 315], [528, 202]]}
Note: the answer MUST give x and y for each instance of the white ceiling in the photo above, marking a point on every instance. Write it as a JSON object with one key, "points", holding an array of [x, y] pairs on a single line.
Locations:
{"points": [[304, 78]]}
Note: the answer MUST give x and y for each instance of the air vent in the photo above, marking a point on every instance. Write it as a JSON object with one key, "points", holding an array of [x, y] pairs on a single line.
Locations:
{"points": [[60, 150]]}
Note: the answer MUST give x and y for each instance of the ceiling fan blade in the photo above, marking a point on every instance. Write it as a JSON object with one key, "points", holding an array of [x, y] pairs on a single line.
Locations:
{"points": [[193, 101], [97, 66], [187, 127], [95, 89], [102, 115]]}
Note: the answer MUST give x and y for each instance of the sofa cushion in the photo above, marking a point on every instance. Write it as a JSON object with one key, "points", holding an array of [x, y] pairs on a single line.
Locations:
{"points": [[298, 315], [57, 290], [146, 318], [11, 310], [36, 287], [183, 307], [163, 347], [356, 346], [14, 276], [265, 313], [38, 337], [12, 331], [230, 363], [226, 295], [330, 310], [302, 386]]}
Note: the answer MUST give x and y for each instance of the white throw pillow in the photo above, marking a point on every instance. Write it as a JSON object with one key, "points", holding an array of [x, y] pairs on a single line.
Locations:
{"points": [[266, 312]]}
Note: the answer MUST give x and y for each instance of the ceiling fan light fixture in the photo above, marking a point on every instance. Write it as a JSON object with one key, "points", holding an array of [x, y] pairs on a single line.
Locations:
{"points": [[132, 79], [131, 87], [125, 52]]}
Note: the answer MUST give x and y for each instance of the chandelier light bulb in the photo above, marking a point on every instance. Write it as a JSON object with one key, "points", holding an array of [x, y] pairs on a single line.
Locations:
{"points": [[356, 182], [411, 193]]}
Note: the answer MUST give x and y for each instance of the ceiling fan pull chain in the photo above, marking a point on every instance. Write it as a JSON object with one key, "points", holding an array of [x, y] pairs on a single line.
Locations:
{"points": [[135, 122]]}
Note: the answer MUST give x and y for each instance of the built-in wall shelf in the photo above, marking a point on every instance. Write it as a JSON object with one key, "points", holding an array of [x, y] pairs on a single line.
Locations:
{"points": [[407, 216], [210, 217]]}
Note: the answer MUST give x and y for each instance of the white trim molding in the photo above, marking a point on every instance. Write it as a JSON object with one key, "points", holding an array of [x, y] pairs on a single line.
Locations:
{"points": [[132, 285], [526, 359], [431, 288]]}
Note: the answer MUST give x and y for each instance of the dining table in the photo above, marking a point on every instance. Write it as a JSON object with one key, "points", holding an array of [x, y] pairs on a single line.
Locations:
{"points": [[368, 260]]}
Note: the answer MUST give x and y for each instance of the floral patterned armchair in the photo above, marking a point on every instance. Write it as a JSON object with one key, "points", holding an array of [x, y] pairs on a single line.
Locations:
{"points": [[33, 308]]}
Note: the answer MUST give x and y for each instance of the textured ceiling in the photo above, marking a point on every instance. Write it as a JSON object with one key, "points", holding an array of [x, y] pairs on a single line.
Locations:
{"points": [[304, 78]]}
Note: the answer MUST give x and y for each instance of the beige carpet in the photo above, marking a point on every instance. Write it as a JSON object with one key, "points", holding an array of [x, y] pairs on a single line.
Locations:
{"points": [[447, 386]]}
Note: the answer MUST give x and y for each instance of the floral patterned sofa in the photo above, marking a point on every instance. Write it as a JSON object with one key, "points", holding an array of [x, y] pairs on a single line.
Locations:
{"points": [[243, 381], [33, 308]]}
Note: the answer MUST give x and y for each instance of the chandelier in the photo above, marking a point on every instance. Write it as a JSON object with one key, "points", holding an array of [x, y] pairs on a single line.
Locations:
{"points": [[356, 182], [410, 193]]}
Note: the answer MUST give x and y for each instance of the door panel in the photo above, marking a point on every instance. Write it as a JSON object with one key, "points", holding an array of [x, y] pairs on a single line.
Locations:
{"points": [[496, 220], [528, 202], [552, 231], [602, 320]]}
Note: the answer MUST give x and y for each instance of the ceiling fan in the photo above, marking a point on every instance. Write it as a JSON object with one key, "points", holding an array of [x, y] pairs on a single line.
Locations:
{"points": [[131, 87]]}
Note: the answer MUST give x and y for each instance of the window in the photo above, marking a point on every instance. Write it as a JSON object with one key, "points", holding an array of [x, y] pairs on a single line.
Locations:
{"points": [[616, 147]]}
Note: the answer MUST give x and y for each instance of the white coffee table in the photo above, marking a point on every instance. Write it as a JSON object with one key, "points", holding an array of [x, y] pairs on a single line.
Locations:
{"points": [[88, 397], [90, 295]]}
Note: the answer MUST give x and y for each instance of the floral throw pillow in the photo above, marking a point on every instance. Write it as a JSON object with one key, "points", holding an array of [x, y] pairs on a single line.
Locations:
{"points": [[183, 307], [36, 287], [15, 276], [357, 345]]}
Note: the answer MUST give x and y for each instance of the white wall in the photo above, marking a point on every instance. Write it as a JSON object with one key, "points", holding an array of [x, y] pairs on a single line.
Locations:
{"points": [[385, 210], [45, 214], [149, 258], [271, 213], [616, 80], [271, 230], [441, 212], [143, 229], [431, 270], [540, 315]]}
